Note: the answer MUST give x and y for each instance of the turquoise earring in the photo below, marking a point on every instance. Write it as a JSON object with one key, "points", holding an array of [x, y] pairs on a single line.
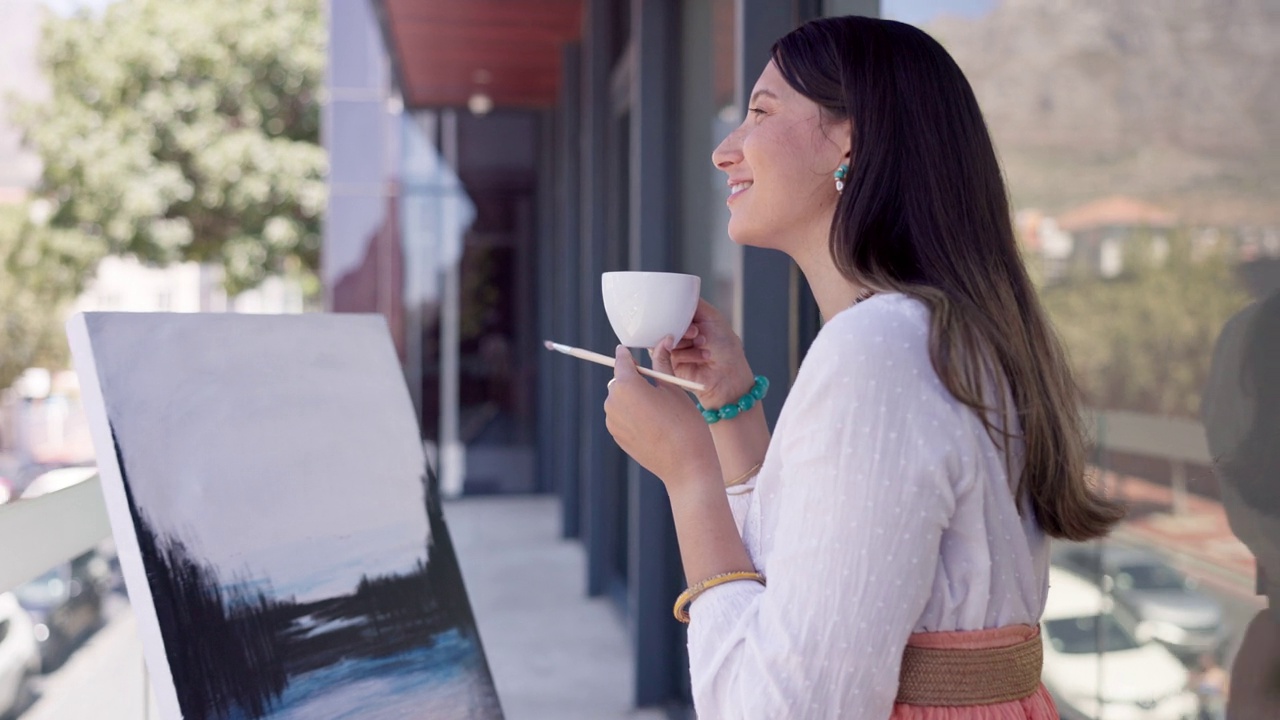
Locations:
{"points": [[840, 174]]}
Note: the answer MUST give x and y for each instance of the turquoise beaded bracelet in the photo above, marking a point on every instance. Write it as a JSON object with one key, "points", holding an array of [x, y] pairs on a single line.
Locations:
{"points": [[758, 390]]}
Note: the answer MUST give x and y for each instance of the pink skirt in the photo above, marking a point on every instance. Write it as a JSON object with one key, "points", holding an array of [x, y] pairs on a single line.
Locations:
{"points": [[1037, 706]]}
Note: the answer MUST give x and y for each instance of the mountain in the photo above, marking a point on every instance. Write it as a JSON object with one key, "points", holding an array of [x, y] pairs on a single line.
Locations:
{"points": [[1173, 101]]}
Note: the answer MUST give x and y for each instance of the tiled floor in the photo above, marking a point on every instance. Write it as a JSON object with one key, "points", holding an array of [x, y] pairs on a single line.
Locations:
{"points": [[555, 654]]}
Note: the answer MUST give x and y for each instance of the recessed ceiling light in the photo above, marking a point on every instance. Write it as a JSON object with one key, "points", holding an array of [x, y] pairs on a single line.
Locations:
{"points": [[480, 104]]}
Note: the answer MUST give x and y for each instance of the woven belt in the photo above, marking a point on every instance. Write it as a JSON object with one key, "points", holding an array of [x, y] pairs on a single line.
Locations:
{"points": [[949, 677]]}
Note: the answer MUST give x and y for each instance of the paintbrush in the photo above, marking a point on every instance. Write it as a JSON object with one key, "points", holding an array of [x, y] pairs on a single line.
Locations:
{"points": [[596, 357]]}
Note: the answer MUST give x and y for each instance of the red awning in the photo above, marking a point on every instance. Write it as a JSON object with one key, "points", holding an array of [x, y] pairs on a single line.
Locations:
{"points": [[510, 50]]}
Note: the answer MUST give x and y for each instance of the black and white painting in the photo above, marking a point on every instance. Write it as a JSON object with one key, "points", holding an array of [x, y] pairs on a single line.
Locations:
{"points": [[281, 540]]}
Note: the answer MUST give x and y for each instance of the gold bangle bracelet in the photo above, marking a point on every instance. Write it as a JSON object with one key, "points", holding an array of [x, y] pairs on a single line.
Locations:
{"points": [[681, 609], [745, 476]]}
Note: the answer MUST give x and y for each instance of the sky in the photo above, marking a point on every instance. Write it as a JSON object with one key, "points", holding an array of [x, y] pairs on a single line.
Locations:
{"points": [[280, 449], [918, 12], [66, 7]]}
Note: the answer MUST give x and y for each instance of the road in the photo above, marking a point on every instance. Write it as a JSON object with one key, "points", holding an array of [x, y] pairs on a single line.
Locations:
{"points": [[102, 680]]}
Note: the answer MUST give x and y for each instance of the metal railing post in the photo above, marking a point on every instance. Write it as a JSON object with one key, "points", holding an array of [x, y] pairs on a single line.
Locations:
{"points": [[1178, 482]]}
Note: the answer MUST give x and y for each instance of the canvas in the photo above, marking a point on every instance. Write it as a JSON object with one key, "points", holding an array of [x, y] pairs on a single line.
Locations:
{"points": [[277, 524]]}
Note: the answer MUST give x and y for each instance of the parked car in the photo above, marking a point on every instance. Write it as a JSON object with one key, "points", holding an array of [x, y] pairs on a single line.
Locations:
{"points": [[1095, 667], [19, 656], [58, 479], [1166, 605], [66, 606], [24, 475]]}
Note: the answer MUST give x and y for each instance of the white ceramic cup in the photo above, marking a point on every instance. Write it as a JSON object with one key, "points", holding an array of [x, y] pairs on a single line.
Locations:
{"points": [[644, 307]]}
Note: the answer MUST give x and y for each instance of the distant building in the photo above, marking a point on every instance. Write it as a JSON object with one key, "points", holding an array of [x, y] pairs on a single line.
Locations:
{"points": [[1099, 230], [1045, 241], [123, 284], [42, 419], [1091, 239]]}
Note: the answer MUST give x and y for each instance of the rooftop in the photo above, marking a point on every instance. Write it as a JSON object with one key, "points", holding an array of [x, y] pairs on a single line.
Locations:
{"points": [[1115, 211]]}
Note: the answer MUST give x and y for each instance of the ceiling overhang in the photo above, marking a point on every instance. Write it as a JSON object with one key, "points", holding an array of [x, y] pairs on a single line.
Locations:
{"points": [[446, 52]]}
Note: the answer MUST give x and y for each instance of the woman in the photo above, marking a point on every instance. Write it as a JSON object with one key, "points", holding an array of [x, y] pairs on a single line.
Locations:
{"points": [[930, 440]]}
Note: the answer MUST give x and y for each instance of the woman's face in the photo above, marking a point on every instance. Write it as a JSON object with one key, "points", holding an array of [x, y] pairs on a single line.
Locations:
{"points": [[779, 163]]}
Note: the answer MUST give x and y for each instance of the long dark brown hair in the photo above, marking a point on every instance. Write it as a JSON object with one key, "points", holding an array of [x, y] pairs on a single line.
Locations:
{"points": [[925, 212]]}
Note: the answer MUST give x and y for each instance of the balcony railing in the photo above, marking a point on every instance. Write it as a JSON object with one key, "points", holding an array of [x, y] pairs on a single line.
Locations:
{"points": [[45, 531], [42, 532]]}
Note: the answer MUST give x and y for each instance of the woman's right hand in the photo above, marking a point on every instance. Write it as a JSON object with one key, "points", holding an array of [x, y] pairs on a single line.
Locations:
{"points": [[710, 353]]}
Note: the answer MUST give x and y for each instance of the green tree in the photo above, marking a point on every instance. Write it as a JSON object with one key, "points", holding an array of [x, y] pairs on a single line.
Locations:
{"points": [[41, 269], [187, 130], [1143, 341]]}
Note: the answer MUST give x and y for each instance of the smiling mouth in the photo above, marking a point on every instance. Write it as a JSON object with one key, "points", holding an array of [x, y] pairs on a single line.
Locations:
{"points": [[738, 187]]}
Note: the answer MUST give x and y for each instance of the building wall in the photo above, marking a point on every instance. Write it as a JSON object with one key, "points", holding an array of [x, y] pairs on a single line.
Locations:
{"points": [[360, 131], [122, 284]]}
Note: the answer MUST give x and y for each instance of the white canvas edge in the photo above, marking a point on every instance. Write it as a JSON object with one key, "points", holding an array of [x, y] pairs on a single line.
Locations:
{"points": [[122, 527]]}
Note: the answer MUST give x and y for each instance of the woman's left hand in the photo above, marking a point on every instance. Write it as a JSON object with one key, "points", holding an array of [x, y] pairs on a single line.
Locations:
{"points": [[659, 426]]}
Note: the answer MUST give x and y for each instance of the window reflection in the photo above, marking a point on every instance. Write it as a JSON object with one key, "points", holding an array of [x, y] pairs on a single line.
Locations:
{"points": [[1242, 416], [1143, 185], [1074, 636], [1150, 577]]}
